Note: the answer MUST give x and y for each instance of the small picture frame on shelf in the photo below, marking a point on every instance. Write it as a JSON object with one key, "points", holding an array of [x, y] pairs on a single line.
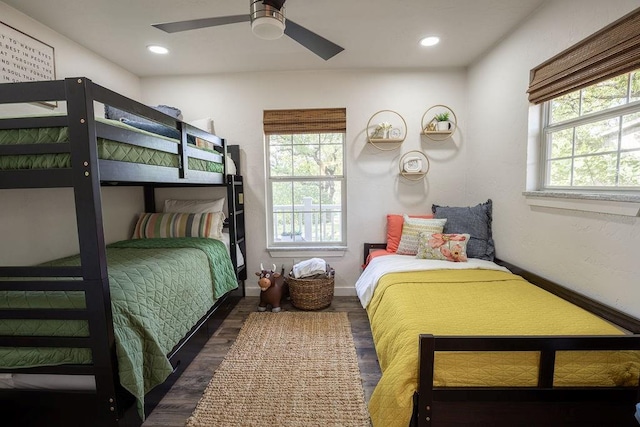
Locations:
{"points": [[412, 164]]}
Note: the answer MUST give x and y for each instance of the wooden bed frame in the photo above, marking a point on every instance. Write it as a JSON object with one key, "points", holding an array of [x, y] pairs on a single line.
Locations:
{"points": [[544, 405], [109, 404]]}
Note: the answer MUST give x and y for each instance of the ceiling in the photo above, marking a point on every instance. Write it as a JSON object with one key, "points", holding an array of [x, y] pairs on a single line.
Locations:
{"points": [[373, 33]]}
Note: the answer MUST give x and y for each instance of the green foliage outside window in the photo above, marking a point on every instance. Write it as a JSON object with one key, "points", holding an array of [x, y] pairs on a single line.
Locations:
{"points": [[306, 173], [593, 136]]}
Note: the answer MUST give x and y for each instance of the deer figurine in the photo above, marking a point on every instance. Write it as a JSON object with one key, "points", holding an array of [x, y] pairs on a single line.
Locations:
{"points": [[273, 288]]}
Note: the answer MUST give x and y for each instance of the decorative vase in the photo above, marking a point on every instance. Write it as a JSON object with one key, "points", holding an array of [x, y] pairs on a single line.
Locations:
{"points": [[443, 126]]}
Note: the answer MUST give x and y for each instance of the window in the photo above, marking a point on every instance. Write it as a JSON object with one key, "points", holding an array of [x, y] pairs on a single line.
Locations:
{"points": [[590, 94], [591, 137], [306, 192]]}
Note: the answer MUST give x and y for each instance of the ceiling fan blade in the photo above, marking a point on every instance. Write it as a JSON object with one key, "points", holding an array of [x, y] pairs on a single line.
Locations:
{"points": [[194, 24], [322, 47]]}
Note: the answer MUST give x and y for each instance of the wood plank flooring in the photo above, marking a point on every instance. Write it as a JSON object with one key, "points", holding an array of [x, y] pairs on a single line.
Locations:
{"points": [[181, 400]]}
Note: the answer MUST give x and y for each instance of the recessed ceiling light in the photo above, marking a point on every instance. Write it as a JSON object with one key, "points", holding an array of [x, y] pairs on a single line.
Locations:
{"points": [[160, 50], [430, 41]]}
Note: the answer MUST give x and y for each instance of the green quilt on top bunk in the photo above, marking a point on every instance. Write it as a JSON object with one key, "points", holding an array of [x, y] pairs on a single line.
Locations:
{"points": [[107, 150], [160, 288]]}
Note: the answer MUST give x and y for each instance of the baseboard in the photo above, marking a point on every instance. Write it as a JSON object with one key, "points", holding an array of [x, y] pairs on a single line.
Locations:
{"points": [[254, 291]]}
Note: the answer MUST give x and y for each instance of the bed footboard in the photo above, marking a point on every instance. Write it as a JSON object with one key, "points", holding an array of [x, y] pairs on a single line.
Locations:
{"points": [[508, 406]]}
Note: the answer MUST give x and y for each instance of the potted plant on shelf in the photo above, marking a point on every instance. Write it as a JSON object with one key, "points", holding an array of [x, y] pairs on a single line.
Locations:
{"points": [[442, 121]]}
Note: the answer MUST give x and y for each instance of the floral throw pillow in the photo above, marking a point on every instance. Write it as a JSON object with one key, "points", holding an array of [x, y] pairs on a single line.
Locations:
{"points": [[445, 247]]}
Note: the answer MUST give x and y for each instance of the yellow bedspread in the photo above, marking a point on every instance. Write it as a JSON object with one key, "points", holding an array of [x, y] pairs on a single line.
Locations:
{"points": [[478, 302]]}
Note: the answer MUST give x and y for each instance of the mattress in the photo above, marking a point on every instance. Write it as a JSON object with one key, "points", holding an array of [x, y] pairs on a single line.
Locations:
{"points": [[107, 150], [477, 302], [160, 288]]}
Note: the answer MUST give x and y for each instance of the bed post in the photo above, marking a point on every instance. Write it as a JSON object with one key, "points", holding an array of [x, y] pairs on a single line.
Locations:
{"points": [[425, 378], [88, 204]]}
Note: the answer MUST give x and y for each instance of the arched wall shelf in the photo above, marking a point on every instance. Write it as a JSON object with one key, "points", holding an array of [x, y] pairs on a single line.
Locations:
{"points": [[386, 130], [434, 129]]}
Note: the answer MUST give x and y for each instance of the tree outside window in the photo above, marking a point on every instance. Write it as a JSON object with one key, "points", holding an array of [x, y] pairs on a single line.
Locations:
{"points": [[592, 136], [306, 187]]}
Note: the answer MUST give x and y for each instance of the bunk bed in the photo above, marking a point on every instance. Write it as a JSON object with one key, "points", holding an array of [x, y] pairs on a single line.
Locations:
{"points": [[84, 160], [459, 377]]}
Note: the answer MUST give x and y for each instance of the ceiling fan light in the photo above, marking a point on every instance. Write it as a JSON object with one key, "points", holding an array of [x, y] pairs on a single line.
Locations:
{"points": [[267, 27]]}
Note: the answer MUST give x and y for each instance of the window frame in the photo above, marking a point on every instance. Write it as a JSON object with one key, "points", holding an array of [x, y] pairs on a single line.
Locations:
{"points": [[272, 244]]}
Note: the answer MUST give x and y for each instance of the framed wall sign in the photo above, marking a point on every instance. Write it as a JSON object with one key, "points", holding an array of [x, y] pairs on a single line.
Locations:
{"points": [[24, 59]]}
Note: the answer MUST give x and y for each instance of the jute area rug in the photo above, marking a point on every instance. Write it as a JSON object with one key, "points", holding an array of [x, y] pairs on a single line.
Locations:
{"points": [[287, 369]]}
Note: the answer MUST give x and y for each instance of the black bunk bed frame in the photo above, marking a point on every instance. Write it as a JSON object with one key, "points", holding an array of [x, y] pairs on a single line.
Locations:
{"points": [[109, 404], [543, 405]]}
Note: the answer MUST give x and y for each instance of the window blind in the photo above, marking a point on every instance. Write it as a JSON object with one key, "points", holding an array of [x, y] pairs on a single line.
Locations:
{"points": [[318, 120], [612, 51]]}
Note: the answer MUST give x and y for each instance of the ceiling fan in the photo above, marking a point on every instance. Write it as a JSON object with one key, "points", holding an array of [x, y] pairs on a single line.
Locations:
{"points": [[267, 22]]}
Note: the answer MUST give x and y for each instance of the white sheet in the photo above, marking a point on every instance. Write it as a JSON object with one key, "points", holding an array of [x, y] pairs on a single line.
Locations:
{"points": [[379, 266], [226, 239]]}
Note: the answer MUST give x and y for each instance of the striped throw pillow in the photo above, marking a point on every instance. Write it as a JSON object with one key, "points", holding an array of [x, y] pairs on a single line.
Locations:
{"points": [[165, 224], [411, 228]]}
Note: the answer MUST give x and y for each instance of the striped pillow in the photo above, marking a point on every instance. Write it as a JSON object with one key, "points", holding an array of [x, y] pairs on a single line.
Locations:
{"points": [[152, 225], [411, 227]]}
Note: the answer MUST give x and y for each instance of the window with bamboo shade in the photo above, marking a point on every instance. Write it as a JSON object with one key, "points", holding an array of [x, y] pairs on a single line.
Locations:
{"points": [[306, 191]]}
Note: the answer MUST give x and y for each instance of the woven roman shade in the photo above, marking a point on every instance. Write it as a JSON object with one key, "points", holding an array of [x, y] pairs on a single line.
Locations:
{"points": [[317, 120], [612, 51]]}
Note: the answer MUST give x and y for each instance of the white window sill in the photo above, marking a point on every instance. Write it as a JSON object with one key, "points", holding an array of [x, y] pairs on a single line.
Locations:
{"points": [[319, 252], [615, 204]]}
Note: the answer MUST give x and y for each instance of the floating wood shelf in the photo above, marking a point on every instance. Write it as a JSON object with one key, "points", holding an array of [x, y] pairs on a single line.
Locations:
{"points": [[437, 132], [398, 129], [428, 119], [385, 140]]}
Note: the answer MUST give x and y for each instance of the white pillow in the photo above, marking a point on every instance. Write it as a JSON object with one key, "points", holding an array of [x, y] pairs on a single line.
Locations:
{"points": [[204, 124], [412, 227], [231, 166], [193, 206]]}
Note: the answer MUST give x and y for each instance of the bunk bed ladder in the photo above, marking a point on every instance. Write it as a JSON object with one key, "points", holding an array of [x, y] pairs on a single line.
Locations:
{"points": [[235, 196], [88, 204]]}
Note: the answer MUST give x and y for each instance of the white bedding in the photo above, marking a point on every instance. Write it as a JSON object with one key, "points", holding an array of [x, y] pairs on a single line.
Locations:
{"points": [[226, 240], [382, 265]]}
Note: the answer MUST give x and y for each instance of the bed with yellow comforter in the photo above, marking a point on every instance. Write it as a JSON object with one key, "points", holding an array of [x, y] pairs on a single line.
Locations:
{"points": [[471, 302]]}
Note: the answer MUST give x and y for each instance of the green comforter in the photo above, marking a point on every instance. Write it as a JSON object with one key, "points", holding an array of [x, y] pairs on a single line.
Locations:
{"points": [[107, 149], [159, 289]]}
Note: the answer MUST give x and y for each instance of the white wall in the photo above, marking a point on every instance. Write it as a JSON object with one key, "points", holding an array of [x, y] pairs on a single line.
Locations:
{"points": [[236, 103], [42, 213], [595, 254]]}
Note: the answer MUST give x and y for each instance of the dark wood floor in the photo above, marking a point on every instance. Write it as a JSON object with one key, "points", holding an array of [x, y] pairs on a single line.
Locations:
{"points": [[181, 400]]}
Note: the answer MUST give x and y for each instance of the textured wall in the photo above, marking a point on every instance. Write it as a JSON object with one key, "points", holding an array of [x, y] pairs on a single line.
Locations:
{"points": [[37, 225], [593, 253], [236, 103]]}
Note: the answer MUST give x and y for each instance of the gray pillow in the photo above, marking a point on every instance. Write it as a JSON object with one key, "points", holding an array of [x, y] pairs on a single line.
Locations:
{"points": [[476, 221], [117, 114]]}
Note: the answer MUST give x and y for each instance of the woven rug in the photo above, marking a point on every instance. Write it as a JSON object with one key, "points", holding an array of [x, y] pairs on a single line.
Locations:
{"points": [[287, 369]]}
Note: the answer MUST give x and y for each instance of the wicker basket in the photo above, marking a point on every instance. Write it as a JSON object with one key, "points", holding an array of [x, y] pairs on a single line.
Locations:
{"points": [[311, 294]]}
